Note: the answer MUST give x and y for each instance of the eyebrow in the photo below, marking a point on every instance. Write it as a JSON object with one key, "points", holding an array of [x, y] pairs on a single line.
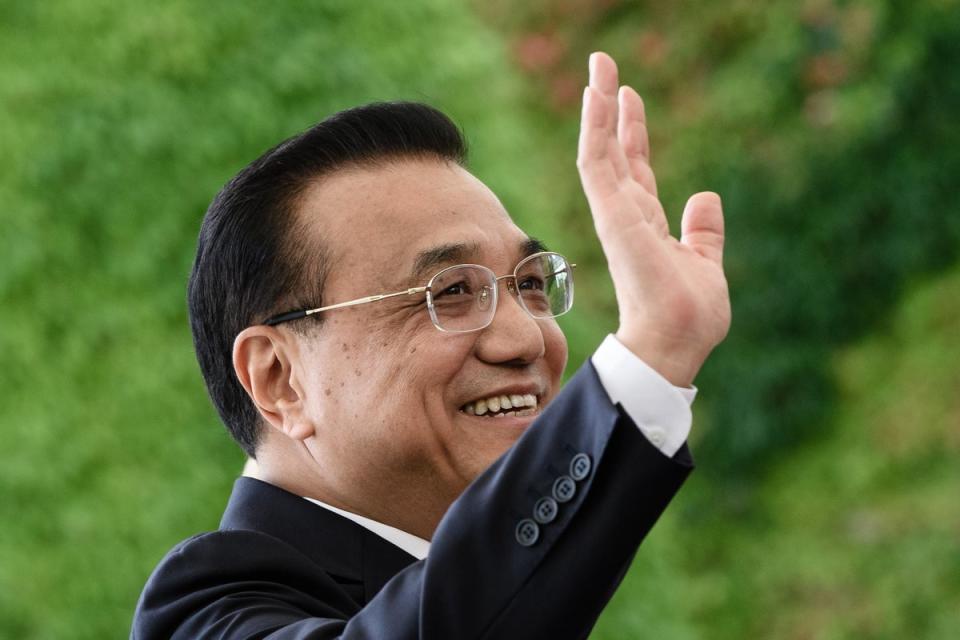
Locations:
{"points": [[531, 246], [458, 252], [443, 254]]}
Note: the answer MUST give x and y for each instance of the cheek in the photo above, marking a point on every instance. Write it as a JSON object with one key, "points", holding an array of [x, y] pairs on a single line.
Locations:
{"points": [[403, 374], [429, 365], [387, 378], [405, 413], [342, 375], [555, 349]]}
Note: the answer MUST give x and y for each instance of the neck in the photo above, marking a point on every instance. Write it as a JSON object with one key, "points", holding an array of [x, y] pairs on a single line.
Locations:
{"points": [[402, 506]]}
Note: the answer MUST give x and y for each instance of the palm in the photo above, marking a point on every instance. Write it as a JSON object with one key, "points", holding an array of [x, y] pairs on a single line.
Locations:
{"points": [[672, 295]]}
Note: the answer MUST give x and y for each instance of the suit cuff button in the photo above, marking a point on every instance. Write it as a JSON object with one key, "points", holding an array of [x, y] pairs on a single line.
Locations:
{"points": [[545, 511], [564, 488], [580, 466], [527, 532]]}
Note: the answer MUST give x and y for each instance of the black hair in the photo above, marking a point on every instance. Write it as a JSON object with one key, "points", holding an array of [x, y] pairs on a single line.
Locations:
{"points": [[253, 260]]}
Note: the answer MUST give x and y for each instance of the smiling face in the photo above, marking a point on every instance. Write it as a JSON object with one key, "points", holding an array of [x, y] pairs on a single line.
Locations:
{"points": [[392, 401]]}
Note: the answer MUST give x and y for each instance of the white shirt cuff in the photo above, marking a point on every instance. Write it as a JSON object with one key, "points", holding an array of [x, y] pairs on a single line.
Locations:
{"points": [[659, 409]]}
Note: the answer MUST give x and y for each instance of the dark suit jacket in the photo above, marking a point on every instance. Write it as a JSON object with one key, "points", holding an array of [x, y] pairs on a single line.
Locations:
{"points": [[282, 567]]}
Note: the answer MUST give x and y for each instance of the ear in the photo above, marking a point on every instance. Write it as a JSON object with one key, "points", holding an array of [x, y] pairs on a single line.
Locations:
{"points": [[263, 359]]}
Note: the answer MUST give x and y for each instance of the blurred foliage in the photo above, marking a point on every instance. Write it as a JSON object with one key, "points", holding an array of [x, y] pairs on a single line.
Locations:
{"points": [[856, 536], [830, 130], [825, 502]]}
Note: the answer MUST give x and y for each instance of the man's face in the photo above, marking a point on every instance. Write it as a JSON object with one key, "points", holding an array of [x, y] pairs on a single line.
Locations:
{"points": [[385, 390]]}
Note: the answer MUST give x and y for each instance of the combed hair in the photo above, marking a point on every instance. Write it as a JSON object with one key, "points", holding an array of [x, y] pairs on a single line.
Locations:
{"points": [[252, 260]]}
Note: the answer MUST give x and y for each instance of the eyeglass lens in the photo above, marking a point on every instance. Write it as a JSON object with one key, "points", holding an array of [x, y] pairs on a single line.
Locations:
{"points": [[463, 298]]}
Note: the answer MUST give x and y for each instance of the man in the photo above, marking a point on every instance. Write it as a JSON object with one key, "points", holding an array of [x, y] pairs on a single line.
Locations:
{"points": [[381, 337]]}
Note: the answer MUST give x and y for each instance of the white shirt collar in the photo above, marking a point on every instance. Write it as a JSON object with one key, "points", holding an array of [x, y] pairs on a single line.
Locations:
{"points": [[417, 547]]}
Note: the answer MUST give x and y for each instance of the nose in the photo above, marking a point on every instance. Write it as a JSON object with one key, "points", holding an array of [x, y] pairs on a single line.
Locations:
{"points": [[514, 336]]}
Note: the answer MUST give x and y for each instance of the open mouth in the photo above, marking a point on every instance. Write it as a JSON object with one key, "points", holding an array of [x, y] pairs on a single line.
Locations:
{"points": [[503, 406]]}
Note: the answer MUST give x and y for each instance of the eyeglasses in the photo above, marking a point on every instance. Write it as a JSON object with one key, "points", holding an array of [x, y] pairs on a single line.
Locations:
{"points": [[463, 298]]}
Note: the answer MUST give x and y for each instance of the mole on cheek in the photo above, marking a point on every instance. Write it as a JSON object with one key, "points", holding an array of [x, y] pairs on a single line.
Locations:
{"points": [[413, 350], [327, 391]]}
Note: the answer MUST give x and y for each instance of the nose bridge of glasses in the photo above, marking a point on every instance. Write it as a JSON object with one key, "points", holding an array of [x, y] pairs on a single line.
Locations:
{"points": [[511, 282]]}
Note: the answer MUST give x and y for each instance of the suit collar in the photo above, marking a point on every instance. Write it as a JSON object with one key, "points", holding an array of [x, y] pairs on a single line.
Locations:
{"points": [[341, 547], [417, 547]]}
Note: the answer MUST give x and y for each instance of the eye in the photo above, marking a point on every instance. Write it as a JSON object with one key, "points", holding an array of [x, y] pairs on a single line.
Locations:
{"points": [[461, 288], [531, 283]]}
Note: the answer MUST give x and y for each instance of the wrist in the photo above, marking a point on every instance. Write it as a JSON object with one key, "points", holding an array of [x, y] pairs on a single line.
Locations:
{"points": [[675, 360]]}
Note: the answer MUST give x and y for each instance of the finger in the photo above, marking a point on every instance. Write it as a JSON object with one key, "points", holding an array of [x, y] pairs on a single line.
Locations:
{"points": [[633, 124], [702, 226], [604, 81], [597, 172], [603, 74], [632, 132]]}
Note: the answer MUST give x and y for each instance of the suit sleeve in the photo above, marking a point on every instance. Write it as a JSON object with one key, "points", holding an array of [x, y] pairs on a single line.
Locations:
{"points": [[534, 548]]}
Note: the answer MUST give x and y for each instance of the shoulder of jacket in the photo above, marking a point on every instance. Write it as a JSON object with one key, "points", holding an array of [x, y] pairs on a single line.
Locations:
{"points": [[233, 545]]}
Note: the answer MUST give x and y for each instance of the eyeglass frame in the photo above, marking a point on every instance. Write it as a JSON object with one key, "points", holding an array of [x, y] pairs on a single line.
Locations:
{"points": [[303, 313]]}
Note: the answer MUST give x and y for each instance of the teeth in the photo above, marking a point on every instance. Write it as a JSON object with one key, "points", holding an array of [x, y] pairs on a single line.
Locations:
{"points": [[525, 405]]}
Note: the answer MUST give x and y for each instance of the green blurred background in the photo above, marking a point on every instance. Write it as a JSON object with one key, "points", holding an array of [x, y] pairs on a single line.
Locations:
{"points": [[827, 499]]}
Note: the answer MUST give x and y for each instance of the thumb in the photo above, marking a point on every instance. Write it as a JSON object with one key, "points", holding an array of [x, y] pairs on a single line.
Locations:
{"points": [[701, 228]]}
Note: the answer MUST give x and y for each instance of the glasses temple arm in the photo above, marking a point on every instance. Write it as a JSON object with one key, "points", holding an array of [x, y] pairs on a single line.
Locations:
{"points": [[379, 296], [286, 317], [296, 315]]}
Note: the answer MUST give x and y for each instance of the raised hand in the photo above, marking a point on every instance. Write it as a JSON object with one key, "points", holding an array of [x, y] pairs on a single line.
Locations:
{"points": [[672, 295]]}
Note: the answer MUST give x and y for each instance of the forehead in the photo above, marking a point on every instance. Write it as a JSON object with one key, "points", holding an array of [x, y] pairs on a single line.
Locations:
{"points": [[377, 221]]}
